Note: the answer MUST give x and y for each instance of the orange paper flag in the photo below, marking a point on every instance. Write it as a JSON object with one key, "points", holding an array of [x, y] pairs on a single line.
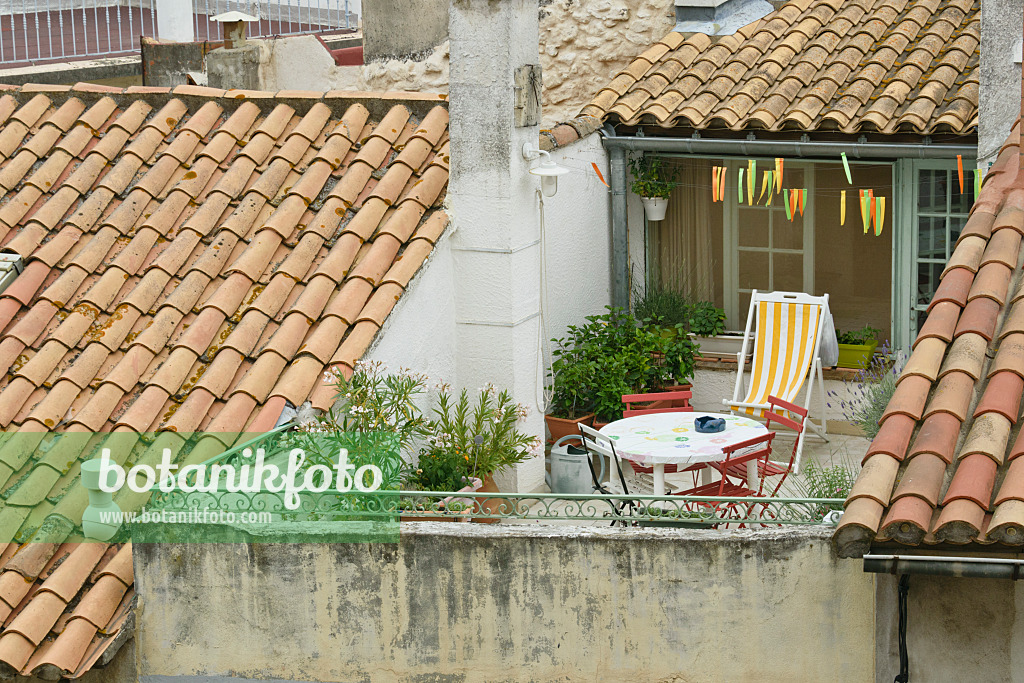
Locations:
{"points": [[721, 188], [778, 172], [803, 198], [871, 206], [714, 184], [960, 171], [599, 176]]}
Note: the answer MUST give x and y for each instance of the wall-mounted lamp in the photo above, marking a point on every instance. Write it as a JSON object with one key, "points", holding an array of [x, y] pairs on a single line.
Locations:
{"points": [[548, 170]]}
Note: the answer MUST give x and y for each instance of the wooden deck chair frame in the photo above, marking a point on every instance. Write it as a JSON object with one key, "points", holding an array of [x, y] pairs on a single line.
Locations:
{"points": [[806, 380]]}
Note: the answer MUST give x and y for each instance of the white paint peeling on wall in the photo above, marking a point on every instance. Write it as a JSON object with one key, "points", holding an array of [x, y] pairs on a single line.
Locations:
{"points": [[583, 44]]}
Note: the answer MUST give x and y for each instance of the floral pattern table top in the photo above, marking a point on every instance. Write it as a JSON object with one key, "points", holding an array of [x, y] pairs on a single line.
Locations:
{"points": [[670, 438]]}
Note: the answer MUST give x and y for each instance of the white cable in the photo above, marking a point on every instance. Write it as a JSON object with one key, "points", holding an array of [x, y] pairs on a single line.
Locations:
{"points": [[542, 392]]}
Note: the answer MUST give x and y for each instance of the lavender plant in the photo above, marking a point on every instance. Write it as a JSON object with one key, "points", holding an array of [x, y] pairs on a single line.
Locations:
{"points": [[868, 393]]}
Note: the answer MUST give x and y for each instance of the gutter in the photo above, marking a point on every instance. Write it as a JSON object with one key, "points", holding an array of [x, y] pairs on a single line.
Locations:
{"points": [[804, 149], [937, 565]]}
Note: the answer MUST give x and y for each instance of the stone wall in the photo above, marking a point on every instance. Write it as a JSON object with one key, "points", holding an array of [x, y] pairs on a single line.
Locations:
{"points": [[472, 602], [583, 43], [999, 95]]}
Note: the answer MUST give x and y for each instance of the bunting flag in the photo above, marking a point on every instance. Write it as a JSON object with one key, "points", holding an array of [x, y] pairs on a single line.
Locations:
{"points": [[778, 174], [864, 201], [721, 188], [751, 174], [846, 167], [960, 171], [714, 183], [880, 216], [789, 206], [771, 186], [739, 187], [871, 207], [842, 207], [794, 198], [765, 179], [803, 200], [599, 176], [978, 176]]}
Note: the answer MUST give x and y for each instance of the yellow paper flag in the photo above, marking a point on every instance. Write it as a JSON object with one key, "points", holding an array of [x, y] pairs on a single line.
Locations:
{"points": [[765, 177], [751, 170], [880, 216], [842, 207]]}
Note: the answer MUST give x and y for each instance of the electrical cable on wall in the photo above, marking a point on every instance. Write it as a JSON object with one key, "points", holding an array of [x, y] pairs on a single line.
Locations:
{"points": [[543, 392]]}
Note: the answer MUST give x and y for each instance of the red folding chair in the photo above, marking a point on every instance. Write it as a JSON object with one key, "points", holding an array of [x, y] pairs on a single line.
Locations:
{"points": [[678, 402], [768, 467]]}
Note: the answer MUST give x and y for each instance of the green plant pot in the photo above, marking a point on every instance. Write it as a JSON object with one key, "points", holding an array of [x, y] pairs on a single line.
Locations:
{"points": [[855, 356]]}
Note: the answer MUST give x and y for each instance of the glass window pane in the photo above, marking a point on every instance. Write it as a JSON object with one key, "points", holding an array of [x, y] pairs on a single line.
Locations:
{"points": [[931, 237], [788, 274], [927, 281], [932, 190], [921, 317], [962, 201], [753, 270], [956, 226], [787, 234], [753, 227]]}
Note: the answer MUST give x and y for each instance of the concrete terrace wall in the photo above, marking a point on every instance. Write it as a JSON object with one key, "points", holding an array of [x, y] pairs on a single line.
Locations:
{"points": [[583, 44], [479, 603], [958, 629]]}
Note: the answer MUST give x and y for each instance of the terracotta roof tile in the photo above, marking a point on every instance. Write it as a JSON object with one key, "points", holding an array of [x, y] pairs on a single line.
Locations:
{"points": [[794, 68], [197, 280], [985, 364]]}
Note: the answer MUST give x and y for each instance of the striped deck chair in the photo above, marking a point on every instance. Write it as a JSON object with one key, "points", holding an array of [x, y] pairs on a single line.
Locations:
{"points": [[786, 355]]}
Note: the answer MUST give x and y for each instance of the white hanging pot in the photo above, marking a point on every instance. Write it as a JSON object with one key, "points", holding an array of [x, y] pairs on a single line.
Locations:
{"points": [[655, 207]]}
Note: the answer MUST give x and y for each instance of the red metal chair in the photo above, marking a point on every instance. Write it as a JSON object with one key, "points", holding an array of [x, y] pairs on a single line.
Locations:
{"points": [[677, 402], [768, 467], [736, 456]]}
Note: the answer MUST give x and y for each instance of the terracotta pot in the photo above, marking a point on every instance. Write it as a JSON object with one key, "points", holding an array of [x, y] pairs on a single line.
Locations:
{"points": [[599, 425], [560, 426], [490, 505]]}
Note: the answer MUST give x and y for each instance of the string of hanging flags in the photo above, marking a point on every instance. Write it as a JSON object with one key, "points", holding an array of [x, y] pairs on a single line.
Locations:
{"points": [[872, 207]]}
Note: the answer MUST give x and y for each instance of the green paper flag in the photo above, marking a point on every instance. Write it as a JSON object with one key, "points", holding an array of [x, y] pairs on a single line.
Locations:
{"points": [[739, 187], [789, 207], [879, 215], [846, 167]]}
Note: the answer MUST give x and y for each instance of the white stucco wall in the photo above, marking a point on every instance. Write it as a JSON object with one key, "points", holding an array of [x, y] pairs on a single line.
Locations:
{"points": [[419, 334], [583, 44], [577, 237]]}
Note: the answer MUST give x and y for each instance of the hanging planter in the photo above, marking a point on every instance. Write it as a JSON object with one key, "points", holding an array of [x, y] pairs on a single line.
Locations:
{"points": [[654, 183], [655, 207]]}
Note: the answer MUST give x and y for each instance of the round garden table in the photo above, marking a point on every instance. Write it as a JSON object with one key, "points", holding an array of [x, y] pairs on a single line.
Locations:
{"points": [[660, 439]]}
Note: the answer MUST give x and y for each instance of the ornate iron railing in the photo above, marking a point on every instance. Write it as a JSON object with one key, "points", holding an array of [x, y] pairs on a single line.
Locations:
{"points": [[698, 511]]}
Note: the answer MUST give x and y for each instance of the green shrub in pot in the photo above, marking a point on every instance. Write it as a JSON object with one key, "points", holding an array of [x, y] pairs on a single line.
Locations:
{"points": [[706, 320]]}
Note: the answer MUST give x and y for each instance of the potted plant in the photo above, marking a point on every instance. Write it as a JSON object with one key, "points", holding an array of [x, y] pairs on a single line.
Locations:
{"points": [[662, 308], [612, 355], [438, 468], [857, 347], [483, 435], [707, 325], [653, 182]]}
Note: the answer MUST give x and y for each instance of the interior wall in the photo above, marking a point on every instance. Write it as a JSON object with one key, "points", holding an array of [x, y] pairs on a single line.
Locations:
{"points": [[854, 268]]}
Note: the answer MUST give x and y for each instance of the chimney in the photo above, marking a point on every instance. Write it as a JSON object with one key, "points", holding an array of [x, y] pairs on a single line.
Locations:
{"points": [[233, 25], [719, 17], [493, 201]]}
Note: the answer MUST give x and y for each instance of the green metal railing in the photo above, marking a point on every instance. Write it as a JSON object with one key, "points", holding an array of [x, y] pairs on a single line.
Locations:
{"points": [[390, 505]]}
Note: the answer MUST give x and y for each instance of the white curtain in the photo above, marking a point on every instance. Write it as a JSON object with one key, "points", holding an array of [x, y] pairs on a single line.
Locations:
{"points": [[682, 242]]}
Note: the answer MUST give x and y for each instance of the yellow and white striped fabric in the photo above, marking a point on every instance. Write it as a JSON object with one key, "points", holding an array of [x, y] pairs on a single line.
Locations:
{"points": [[787, 334]]}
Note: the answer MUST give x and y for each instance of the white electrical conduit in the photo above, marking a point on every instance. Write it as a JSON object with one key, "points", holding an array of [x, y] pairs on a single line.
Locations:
{"points": [[543, 393]]}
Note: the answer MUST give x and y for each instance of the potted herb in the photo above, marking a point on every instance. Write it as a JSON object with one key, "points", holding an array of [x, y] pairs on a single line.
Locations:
{"points": [[857, 347], [661, 307], [653, 181], [707, 325]]}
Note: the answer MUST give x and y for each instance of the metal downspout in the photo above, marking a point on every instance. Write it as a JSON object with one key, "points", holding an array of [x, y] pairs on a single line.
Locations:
{"points": [[620, 236]]}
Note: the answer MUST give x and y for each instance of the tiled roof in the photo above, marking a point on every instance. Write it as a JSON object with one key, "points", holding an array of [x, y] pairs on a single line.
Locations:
{"points": [[847, 65], [193, 261], [944, 467]]}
